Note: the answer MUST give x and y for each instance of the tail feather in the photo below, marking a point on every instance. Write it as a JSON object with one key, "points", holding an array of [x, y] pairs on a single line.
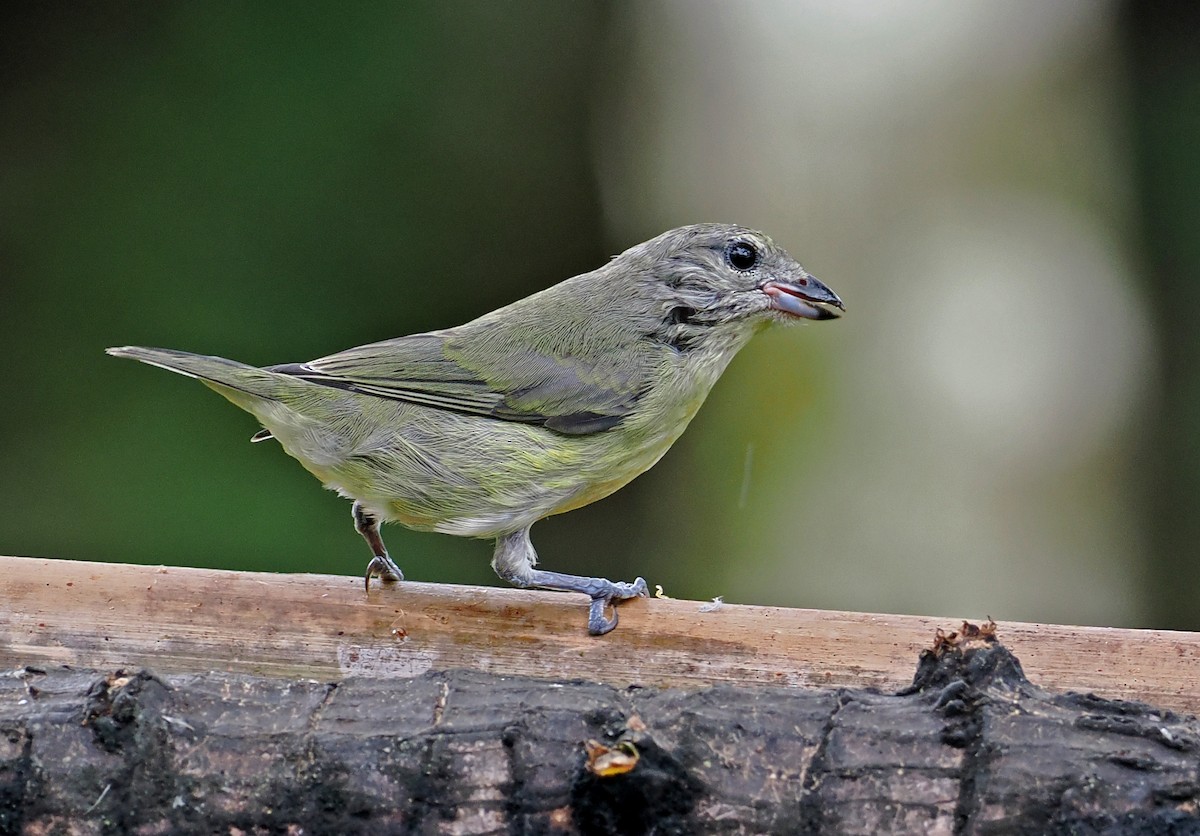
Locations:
{"points": [[227, 374]]}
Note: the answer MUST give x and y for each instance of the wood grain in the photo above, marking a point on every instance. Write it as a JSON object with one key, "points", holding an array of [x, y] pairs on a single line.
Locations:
{"points": [[178, 620]]}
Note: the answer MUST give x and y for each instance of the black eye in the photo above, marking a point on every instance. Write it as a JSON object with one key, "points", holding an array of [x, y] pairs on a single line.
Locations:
{"points": [[741, 255]]}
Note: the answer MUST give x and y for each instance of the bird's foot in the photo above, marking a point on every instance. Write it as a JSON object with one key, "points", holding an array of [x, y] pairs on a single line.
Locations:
{"points": [[381, 566], [384, 568], [598, 622], [514, 561]]}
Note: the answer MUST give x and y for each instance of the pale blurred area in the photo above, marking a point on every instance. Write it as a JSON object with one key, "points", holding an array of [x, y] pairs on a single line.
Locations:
{"points": [[1005, 194], [959, 443]]}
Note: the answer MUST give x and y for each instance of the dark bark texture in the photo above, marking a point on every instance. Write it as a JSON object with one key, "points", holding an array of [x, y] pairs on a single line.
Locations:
{"points": [[971, 747]]}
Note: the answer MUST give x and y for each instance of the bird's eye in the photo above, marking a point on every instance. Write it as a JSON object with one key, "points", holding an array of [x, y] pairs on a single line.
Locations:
{"points": [[742, 255]]}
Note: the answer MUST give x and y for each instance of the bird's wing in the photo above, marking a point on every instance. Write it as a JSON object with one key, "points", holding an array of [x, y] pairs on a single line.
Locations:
{"points": [[501, 381]]}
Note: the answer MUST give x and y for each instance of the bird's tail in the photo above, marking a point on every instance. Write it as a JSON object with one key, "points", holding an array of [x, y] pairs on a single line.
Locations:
{"points": [[240, 383]]}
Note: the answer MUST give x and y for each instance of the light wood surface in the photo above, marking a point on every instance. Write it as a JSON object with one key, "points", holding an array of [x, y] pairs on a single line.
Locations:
{"points": [[169, 619]]}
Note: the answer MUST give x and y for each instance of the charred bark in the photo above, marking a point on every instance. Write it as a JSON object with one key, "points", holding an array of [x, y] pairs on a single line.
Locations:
{"points": [[970, 747]]}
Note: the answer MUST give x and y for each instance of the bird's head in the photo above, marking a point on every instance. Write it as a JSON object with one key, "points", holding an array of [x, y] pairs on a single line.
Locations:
{"points": [[726, 279]]}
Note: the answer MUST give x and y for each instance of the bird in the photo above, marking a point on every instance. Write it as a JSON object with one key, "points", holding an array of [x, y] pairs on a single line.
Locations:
{"points": [[538, 408]]}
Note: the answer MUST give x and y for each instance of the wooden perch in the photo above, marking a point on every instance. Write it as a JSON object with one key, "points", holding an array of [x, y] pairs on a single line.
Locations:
{"points": [[277, 703], [100, 615]]}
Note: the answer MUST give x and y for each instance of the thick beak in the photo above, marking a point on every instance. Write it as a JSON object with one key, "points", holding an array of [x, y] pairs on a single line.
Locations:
{"points": [[804, 297]]}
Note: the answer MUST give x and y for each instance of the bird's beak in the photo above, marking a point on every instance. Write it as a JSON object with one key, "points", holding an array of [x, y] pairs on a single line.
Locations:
{"points": [[805, 297]]}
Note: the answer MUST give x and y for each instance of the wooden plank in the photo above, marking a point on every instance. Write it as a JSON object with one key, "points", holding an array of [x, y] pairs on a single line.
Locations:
{"points": [[174, 620]]}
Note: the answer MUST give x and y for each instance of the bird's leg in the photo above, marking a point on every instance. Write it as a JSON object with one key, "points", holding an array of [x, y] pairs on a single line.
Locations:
{"points": [[514, 561], [381, 566]]}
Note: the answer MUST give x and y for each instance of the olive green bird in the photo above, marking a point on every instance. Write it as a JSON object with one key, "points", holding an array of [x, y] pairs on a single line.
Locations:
{"points": [[537, 408]]}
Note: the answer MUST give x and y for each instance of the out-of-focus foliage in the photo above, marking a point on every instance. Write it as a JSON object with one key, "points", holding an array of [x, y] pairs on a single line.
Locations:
{"points": [[1164, 124], [273, 183]]}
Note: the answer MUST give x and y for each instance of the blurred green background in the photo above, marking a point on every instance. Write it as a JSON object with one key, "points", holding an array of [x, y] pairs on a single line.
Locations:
{"points": [[1006, 423]]}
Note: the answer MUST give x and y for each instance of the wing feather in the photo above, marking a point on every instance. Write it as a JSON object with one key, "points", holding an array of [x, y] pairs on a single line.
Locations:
{"points": [[568, 395]]}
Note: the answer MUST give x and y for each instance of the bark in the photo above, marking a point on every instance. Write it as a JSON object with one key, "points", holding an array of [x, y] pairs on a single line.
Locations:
{"points": [[970, 747]]}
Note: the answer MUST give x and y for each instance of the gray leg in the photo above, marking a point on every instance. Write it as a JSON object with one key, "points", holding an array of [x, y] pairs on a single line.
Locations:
{"points": [[514, 561], [381, 566]]}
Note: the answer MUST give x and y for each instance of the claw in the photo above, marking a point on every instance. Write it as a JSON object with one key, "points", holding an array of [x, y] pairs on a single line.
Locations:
{"points": [[598, 623], [384, 569]]}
